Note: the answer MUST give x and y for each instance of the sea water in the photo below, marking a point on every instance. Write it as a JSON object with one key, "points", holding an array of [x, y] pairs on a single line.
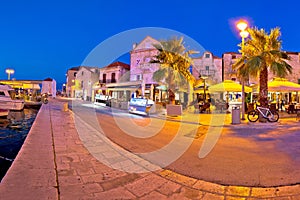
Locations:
{"points": [[13, 131]]}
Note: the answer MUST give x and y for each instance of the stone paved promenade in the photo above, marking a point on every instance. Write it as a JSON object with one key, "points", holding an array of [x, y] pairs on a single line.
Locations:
{"points": [[54, 164]]}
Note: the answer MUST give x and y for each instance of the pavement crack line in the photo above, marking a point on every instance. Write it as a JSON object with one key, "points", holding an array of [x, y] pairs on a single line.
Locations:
{"points": [[54, 155]]}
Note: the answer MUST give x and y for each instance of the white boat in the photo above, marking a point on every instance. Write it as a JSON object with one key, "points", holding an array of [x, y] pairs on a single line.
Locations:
{"points": [[4, 113], [8, 99], [33, 104]]}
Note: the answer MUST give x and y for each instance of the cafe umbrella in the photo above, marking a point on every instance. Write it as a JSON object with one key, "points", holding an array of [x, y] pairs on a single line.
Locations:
{"points": [[282, 85], [228, 86]]}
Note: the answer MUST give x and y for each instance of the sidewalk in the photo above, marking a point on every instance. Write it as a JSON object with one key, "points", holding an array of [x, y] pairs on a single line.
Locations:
{"points": [[285, 119], [54, 164]]}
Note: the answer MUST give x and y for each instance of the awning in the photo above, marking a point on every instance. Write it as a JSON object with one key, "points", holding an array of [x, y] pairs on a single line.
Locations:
{"points": [[228, 86], [124, 88], [162, 87], [279, 85], [31, 86], [282, 85]]}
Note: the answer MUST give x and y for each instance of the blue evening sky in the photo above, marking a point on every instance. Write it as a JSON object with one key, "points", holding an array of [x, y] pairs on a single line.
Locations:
{"points": [[41, 39]]}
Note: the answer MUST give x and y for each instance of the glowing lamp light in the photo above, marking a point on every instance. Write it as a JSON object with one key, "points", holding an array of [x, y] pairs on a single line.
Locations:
{"points": [[242, 25], [244, 34], [9, 72]]}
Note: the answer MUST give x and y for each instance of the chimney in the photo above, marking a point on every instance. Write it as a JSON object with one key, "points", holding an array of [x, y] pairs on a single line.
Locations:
{"points": [[134, 45]]}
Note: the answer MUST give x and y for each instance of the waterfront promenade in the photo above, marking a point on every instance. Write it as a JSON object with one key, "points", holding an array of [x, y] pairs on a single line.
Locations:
{"points": [[54, 164]]}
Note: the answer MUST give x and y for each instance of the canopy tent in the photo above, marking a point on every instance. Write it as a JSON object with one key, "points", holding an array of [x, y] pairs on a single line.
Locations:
{"points": [[279, 85], [162, 87], [228, 86], [282, 85], [31, 86]]}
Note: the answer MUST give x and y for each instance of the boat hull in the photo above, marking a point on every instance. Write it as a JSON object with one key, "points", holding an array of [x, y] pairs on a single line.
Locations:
{"points": [[4, 113], [11, 104]]}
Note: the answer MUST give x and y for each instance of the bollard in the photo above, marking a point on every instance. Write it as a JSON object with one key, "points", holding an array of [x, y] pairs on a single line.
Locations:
{"points": [[65, 107]]}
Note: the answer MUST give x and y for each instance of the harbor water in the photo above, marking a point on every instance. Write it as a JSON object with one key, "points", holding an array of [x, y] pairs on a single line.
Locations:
{"points": [[13, 132]]}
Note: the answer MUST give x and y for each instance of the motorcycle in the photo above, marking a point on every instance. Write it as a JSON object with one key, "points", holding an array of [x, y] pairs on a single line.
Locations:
{"points": [[45, 98]]}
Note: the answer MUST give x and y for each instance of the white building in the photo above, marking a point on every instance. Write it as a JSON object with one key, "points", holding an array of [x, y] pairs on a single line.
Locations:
{"points": [[86, 77], [49, 87]]}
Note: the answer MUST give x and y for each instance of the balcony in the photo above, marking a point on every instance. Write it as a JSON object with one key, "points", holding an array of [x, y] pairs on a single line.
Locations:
{"points": [[108, 81], [207, 72]]}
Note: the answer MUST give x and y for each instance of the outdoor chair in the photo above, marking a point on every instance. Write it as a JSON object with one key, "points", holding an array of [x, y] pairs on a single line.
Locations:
{"points": [[220, 107], [250, 107], [205, 107], [196, 108], [291, 108], [273, 107]]}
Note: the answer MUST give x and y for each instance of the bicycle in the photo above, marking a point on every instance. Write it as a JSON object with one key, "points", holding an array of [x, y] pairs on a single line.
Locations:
{"points": [[253, 115]]}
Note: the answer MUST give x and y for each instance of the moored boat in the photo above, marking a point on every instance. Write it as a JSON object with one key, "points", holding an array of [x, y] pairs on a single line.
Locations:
{"points": [[33, 104], [3, 113], [8, 100]]}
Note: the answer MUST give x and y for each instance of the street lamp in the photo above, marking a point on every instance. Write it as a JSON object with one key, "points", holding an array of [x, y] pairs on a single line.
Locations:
{"points": [[242, 26], [9, 72]]}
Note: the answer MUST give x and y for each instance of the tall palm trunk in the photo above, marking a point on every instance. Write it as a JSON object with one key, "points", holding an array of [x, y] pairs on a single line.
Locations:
{"points": [[263, 91], [171, 87], [263, 87]]}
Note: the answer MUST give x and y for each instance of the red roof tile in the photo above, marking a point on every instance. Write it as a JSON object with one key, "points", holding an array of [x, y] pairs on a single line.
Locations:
{"points": [[118, 63]]}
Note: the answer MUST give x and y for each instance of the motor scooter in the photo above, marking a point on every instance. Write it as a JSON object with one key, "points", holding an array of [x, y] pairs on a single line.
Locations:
{"points": [[45, 98]]}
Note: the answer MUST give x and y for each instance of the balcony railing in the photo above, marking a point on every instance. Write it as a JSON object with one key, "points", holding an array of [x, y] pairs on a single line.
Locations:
{"points": [[207, 72], [108, 81]]}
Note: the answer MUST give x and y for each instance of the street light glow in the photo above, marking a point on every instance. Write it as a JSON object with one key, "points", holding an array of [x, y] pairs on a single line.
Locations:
{"points": [[242, 25], [9, 72], [244, 34]]}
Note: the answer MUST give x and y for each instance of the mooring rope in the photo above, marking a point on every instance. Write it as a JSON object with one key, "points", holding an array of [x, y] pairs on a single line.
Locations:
{"points": [[8, 159]]}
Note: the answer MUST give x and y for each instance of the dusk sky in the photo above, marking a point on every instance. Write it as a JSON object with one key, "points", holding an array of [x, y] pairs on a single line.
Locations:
{"points": [[41, 39]]}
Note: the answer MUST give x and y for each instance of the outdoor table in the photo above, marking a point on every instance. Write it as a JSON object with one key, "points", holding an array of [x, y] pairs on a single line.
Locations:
{"points": [[221, 106]]}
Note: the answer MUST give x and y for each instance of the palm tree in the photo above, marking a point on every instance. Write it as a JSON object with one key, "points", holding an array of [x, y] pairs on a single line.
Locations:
{"points": [[262, 53], [174, 62]]}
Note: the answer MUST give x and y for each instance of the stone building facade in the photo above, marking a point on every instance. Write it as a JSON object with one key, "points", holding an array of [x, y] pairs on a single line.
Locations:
{"points": [[86, 77], [229, 74], [228, 59], [111, 75], [209, 66], [295, 63], [140, 67], [70, 81], [114, 73]]}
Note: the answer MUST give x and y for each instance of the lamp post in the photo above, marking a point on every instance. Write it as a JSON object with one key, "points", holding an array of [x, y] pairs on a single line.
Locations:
{"points": [[9, 72], [242, 26]]}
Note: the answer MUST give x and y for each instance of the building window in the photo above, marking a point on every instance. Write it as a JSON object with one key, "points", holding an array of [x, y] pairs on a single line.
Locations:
{"points": [[81, 84], [138, 77], [75, 74], [113, 77], [147, 59], [207, 68], [207, 55], [104, 78], [82, 73], [233, 56], [2, 93]]}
